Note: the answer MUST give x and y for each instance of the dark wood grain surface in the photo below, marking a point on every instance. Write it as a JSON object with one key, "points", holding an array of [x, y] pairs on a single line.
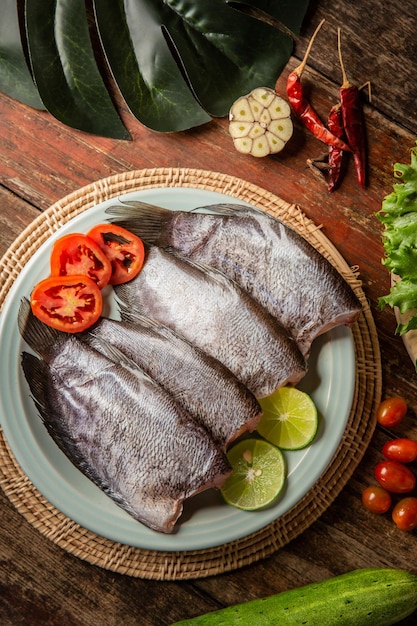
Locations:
{"points": [[42, 161]]}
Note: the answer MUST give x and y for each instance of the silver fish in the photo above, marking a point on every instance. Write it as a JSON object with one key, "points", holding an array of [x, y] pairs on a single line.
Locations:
{"points": [[197, 381], [214, 314], [119, 427], [271, 261]]}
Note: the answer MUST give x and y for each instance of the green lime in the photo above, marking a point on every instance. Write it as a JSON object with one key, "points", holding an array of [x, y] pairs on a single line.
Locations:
{"points": [[258, 474], [289, 418]]}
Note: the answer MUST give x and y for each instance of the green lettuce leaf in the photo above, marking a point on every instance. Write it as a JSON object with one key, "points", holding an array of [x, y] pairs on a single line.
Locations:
{"points": [[399, 215], [400, 233], [402, 295]]}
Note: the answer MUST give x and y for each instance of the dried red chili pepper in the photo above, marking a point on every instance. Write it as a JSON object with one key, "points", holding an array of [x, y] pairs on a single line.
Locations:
{"points": [[336, 155], [353, 120], [304, 110]]}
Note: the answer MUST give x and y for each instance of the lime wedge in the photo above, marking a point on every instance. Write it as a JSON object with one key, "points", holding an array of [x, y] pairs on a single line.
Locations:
{"points": [[289, 419], [258, 474]]}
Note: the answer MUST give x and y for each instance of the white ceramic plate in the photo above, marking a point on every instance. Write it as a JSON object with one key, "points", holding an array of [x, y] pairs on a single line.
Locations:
{"points": [[206, 521]]}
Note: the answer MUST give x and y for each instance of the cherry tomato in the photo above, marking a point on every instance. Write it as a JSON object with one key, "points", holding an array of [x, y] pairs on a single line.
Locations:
{"points": [[67, 303], [403, 450], [404, 513], [395, 477], [376, 499], [391, 411], [79, 255], [124, 250]]}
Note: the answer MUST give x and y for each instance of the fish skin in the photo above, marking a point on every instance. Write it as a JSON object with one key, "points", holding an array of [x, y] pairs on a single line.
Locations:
{"points": [[201, 384], [267, 258], [214, 314], [143, 450]]}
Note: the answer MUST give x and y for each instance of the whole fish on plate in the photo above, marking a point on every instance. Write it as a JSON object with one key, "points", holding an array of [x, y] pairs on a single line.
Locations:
{"points": [[118, 427], [214, 314], [197, 381], [270, 260]]}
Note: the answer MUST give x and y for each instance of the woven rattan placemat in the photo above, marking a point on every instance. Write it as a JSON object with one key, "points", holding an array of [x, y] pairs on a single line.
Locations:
{"points": [[158, 565]]}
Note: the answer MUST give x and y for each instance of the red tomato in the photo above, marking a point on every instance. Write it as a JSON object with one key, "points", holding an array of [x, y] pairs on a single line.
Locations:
{"points": [[404, 513], [402, 450], [79, 255], [124, 250], [67, 303], [395, 477], [376, 499], [391, 411]]}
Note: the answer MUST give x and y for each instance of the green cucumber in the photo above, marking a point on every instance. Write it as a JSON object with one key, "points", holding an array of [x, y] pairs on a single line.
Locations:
{"points": [[372, 596]]}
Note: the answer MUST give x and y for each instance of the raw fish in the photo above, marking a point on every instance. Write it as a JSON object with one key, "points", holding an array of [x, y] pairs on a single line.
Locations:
{"points": [[119, 427], [197, 381], [269, 260], [214, 314]]}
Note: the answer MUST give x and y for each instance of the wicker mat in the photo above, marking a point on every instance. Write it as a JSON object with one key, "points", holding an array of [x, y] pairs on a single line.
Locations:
{"points": [[158, 565]]}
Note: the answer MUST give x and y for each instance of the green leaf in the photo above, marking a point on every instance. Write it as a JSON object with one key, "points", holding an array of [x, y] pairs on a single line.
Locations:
{"points": [[145, 70], [401, 232], [175, 49], [65, 70], [403, 295], [288, 14], [177, 63], [403, 261], [399, 215], [15, 77]]}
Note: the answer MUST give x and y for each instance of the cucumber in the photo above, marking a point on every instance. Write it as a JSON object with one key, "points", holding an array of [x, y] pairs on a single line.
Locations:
{"points": [[371, 596]]}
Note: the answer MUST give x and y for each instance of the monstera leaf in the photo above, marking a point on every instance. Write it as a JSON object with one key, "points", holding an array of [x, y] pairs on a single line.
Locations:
{"points": [[15, 78], [177, 63]]}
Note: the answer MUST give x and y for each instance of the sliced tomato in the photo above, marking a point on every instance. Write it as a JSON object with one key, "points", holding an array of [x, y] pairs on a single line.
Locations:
{"points": [[67, 303], [77, 254], [124, 250]]}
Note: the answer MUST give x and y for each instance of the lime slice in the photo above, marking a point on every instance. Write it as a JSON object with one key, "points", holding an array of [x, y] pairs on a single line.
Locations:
{"points": [[258, 474], [289, 419]]}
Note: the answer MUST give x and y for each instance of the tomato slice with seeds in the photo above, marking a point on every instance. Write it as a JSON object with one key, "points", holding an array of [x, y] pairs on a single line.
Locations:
{"points": [[124, 250], [77, 254], [67, 303]]}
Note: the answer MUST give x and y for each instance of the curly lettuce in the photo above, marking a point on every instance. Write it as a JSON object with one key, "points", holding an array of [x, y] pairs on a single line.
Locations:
{"points": [[398, 213]]}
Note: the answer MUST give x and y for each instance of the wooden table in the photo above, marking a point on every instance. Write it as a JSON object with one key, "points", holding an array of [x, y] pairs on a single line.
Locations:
{"points": [[43, 161]]}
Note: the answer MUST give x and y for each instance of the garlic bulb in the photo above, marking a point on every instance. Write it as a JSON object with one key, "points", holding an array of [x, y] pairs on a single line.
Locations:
{"points": [[260, 123]]}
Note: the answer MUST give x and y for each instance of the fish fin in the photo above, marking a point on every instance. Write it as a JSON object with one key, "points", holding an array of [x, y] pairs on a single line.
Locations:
{"points": [[37, 335], [36, 373], [113, 353], [147, 221], [213, 272], [224, 208], [38, 377], [134, 317], [129, 316]]}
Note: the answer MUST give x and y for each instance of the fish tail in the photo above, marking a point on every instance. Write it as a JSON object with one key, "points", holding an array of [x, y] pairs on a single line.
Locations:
{"points": [[147, 221], [38, 335]]}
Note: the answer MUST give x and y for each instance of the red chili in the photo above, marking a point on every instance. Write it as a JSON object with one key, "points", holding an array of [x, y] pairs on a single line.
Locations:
{"points": [[353, 120], [303, 109], [336, 155]]}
